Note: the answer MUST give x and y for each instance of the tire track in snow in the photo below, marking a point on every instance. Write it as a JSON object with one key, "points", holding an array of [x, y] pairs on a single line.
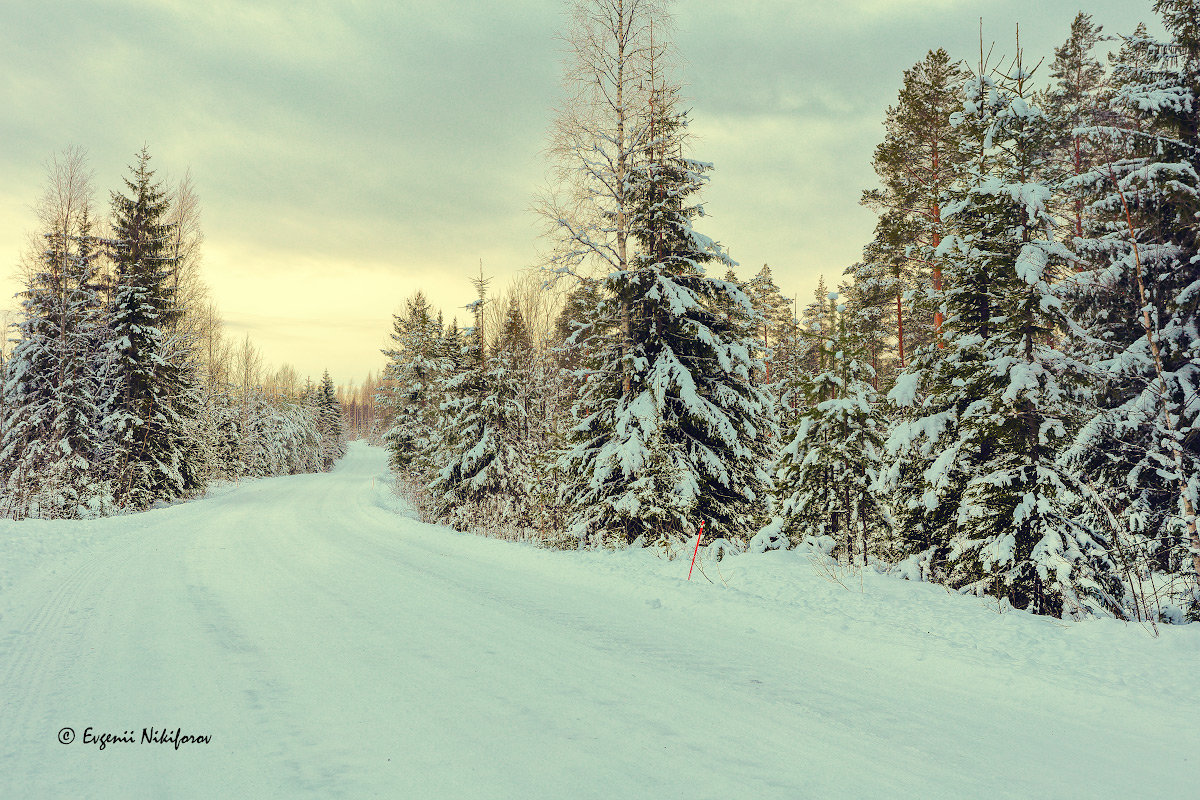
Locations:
{"points": [[35, 652], [267, 702]]}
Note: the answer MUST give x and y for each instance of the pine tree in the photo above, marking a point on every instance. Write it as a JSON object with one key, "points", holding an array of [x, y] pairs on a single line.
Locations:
{"points": [[916, 163], [677, 396], [992, 412], [1072, 104]]}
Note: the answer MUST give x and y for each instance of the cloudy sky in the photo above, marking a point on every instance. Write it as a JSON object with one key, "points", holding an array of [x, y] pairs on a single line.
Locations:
{"points": [[348, 153]]}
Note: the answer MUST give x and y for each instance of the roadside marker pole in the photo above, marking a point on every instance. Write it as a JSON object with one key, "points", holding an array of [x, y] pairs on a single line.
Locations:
{"points": [[697, 550]]}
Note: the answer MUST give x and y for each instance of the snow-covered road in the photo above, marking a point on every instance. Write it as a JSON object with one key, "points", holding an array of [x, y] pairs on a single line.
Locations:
{"points": [[330, 647]]}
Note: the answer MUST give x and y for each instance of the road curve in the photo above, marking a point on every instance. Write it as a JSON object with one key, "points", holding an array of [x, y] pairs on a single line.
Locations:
{"points": [[328, 646]]}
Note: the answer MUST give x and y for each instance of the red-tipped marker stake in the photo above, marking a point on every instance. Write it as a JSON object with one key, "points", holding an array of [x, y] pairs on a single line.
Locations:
{"points": [[697, 550]]}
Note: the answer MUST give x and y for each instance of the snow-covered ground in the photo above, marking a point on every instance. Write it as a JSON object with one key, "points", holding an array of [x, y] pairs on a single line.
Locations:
{"points": [[331, 647]]}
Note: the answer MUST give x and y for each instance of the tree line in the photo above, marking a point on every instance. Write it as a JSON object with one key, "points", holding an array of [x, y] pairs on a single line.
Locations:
{"points": [[120, 390], [1001, 396]]}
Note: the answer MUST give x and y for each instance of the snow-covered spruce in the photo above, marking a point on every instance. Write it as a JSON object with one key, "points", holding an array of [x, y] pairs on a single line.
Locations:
{"points": [[105, 406], [672, 393], [985, 504], [485, 478], [824, 477], [148, 389], [52, 438], [331, 445], [409, 397], [773, 330], [1138, 291]]}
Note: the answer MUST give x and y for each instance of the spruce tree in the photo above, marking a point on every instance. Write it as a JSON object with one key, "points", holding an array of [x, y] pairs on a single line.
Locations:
{"points": [[51, 427], [1139, 298], [816, 325], [773, 316], [991, 412], [509, 403], [824, 476], [329, 424], [409, 396], [84, 333], [28, 403], [677, 396], [142, 415], [484, 477], [867, 326]]}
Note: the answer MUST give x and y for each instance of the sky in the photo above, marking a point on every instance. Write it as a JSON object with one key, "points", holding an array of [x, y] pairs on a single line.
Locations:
{"points": [[347, 154]]}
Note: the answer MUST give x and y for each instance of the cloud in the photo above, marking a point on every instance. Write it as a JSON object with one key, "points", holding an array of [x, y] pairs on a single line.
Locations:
{"points": [[348, 152]]}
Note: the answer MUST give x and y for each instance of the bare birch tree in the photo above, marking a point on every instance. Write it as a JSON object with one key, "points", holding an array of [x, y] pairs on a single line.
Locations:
{"points": [[247, 368], [66, 198], [601, 127]]}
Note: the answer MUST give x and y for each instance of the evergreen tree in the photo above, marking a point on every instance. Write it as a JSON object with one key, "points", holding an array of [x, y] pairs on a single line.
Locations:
{"points": [[1072, 104], [992, 412], [484, 478], [773, 317], [220, 423], [49, 425], [511, 372], [409, 397], [84, 334], [329, 424], [28, 403], [51, 434], [825, 474], [816, 326], [450, 363], [677, 396], [916, 162], [142, 415], [509, 404], [867, 326], [1140, 298], [576, 330]]}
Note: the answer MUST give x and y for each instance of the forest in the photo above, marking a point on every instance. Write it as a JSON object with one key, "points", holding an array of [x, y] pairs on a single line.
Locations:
{"points": [[1001, 396], [121, 390]]}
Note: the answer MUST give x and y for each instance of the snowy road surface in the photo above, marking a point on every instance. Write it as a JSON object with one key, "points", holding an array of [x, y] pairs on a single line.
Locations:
{"points": [[330, 647]]}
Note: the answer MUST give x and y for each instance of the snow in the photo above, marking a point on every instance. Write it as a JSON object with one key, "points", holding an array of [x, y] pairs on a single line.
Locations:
{"points": [[904, 393], [331, 645]]}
